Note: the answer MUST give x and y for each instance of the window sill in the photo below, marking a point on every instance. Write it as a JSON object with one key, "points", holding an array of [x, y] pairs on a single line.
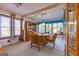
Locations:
{"points": [[5, 38]]}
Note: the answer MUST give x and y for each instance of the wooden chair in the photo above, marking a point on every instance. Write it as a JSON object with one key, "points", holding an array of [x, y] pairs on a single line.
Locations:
{"points": [[30, 34], [52, 39], [36, 41]]}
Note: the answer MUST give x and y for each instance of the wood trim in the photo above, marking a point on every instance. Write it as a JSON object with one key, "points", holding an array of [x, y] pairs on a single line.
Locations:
{"points": [[26, 38], [21, 24], [9, 16], [76, 53], [31, 23], [70, 50], [11, 25], [66, 29], [4, 15]]}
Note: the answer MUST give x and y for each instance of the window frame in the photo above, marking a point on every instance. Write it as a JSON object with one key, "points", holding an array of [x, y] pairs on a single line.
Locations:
{"points": [[11, 25], [6, 26], [16, 27]]}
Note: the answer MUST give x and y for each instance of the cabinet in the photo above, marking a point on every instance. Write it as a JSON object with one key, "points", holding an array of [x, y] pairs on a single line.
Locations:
{"points": [[28, 27]]}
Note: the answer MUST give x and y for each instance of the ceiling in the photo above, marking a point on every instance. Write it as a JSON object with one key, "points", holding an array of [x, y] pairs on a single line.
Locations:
{"points": [[26, 8]]}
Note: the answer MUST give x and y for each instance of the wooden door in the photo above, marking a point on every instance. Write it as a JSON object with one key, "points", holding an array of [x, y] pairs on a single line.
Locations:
{"points": [[72, 29]]}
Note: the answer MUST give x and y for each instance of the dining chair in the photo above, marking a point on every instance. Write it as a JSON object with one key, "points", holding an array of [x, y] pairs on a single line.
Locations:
{"points": [[52, 39], [36, 41]]}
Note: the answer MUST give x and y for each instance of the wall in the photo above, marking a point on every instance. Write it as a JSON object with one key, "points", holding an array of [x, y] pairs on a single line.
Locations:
{"points": [[8, 14], [4, 42]]}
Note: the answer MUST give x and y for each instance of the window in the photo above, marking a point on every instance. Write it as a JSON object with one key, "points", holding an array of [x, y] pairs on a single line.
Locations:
{"points": [[40, 30], [43, 28], [49, 28], [60, 26], [5, 27], [17, 27], [55, 26]]}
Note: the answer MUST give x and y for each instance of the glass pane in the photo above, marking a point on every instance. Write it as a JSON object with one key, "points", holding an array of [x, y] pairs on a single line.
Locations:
{"points": [[54, 30], [47, 27], [17, 27], [17, 31], [60, 27], [50, 29], [70, 54], [40, 28], [71, 28], [5, 32], [43, 27], [17, 23], [55, 27], [5, 21], [37, 29]]}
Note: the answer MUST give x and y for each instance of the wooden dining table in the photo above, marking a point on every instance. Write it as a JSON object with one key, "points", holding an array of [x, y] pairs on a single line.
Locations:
{"points": [[44, 37]]}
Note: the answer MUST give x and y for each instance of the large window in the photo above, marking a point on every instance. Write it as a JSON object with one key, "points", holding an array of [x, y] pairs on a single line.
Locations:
{"points": [[5, 27], [17, 27], [51, 27]]}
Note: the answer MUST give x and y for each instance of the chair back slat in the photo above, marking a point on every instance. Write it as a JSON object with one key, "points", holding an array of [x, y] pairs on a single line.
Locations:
{"points": [[54, 36], [34, 39]]}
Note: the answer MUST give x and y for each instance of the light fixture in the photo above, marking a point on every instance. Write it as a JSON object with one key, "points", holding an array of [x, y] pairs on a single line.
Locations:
{"points": [[18, 4], [39, 14]]}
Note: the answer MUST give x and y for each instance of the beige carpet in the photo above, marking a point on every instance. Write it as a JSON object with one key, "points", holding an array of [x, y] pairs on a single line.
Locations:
{"points": [[23, 49]]}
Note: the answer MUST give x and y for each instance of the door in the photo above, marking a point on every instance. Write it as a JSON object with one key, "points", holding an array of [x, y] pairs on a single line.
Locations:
{"points": [[72, 29]]}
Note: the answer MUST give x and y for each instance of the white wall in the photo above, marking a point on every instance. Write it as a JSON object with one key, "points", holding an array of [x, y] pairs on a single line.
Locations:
{"points": [[8, 13], [4, 42], [4, 12]]}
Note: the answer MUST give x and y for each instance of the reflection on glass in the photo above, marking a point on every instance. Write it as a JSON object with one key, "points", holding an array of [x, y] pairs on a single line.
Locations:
{"points": [[71, 29], [70, 54]]}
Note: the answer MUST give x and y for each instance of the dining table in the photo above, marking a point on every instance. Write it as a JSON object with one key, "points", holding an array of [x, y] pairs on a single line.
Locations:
{"points": [[44, 37]]}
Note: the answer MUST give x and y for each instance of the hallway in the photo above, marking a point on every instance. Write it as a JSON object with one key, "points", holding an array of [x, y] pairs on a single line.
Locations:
{"points": [[23, 49]]}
